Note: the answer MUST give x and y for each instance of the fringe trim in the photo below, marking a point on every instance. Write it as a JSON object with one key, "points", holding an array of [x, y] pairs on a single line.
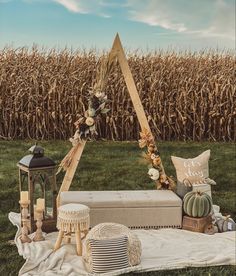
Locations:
{"points": [[72, 225]]}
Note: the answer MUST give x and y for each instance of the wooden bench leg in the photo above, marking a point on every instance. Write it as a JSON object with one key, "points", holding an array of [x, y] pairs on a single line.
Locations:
{"points": [[78, 243], [59, 240]]}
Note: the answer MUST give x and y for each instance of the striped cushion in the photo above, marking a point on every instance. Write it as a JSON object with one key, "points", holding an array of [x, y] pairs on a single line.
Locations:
{"points": [[108, 255]]}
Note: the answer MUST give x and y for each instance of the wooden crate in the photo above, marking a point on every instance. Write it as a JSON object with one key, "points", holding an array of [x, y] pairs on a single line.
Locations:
{"points": [[196, 224]]}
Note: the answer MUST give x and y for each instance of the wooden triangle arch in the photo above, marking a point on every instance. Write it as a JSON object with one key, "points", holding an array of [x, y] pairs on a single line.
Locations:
{"points": [[116, 51]]}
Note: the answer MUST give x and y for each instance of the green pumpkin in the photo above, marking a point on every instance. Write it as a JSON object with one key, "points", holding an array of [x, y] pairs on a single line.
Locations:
{"points": [[197, 204]]}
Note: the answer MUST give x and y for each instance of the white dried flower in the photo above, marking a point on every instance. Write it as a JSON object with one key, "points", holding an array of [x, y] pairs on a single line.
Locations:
{"points": [[153, 174], [89, 121], [100, 95]]}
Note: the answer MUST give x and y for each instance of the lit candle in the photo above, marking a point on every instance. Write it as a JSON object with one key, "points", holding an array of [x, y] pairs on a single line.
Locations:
{"points": [[24, 196], [40, 203]]}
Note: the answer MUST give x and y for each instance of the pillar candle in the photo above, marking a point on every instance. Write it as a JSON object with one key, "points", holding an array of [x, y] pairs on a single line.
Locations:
{"points": [[24, 196], [40, 203], [35, 207]]}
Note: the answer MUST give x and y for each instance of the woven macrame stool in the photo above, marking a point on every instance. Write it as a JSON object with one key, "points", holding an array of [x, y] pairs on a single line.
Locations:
{"points": [[72, 219]]}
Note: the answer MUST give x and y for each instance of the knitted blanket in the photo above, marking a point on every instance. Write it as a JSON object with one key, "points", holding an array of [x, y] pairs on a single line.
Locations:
{"points": [[161, 249]]}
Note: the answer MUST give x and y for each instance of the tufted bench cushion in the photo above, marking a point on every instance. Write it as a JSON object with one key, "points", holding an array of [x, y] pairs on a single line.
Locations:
{"points": [[136, 209]]}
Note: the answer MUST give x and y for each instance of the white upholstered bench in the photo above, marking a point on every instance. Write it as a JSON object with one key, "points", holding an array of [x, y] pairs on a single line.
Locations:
{"points": [[135, 209]]}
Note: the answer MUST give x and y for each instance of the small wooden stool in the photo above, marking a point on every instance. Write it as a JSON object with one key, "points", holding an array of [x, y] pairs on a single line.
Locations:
{"points": [[72, 218]]}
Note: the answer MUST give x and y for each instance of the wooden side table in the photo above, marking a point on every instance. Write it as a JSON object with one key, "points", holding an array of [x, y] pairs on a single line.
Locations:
{"points": [[72, 219]]}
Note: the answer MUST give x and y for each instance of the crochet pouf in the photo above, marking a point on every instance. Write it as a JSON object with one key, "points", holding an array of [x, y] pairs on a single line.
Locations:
{"points": [[105, 231]]}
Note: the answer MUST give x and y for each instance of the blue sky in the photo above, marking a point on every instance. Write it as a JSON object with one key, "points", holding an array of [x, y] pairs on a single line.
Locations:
{"points": [[144, 24]]}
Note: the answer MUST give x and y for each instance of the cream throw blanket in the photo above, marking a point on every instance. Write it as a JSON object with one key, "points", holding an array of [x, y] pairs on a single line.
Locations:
{"points": [[161, 249]]}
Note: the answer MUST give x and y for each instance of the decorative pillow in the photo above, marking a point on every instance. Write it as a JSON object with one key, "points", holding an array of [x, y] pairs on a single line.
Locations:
{"points": [[194, 168], [191, 170], [108, 255]]}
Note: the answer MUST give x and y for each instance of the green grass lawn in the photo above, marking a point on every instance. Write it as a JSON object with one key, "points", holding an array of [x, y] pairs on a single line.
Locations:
{"points": [[113, 166]]}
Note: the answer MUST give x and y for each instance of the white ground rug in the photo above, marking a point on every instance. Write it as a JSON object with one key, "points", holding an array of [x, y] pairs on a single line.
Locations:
{"points": [[161, 249]]}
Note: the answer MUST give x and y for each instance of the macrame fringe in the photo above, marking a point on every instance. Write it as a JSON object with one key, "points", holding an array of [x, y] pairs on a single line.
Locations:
{"points": [[73, 225]]}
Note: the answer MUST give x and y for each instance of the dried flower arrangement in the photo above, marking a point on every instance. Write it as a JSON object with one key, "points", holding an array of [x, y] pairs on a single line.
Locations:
{"points": [[86, 124], [152, 156]]}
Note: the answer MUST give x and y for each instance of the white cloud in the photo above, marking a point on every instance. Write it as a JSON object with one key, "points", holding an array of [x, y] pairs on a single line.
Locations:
{"points": [[85, 6], [200, 17], [105, 15], [159, 20], [223, 22], [72, 5], [156, 13]]}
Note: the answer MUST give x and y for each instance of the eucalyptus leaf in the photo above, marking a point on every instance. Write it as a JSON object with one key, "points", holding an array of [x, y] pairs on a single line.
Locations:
{"points": [[101, 106], [92, 128], [86, 132], [86, 114], [105, 110]]}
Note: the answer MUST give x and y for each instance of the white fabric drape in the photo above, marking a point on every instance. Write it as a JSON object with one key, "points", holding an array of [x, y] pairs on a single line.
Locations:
{"points": [[161, 249]]}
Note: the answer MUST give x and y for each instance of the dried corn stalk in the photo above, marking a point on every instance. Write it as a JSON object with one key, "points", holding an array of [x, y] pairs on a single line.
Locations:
{"points": [[185, 96]]}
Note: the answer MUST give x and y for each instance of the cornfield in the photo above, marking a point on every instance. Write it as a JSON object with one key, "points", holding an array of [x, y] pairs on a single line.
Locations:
{"points": [[186, 96]]}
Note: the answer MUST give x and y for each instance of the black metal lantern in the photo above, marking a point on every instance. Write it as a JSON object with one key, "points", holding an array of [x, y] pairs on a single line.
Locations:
{"points": [[37, 175]]}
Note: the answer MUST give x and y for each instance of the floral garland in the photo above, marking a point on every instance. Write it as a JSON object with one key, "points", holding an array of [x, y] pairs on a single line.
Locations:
{"points": [[85, 125], [156, 170]]}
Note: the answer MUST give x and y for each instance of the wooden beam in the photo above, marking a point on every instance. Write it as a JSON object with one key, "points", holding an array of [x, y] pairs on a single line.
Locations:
{"points": [[118, 50], [71, 170]]}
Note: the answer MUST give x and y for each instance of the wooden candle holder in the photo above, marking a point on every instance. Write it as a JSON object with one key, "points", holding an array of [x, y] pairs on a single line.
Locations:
{"points": [[39, 234], [25, 221]]}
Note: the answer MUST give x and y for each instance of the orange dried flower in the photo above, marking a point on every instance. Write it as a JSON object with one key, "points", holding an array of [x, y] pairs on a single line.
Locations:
{"points": [[162, 178], [142, 143], [146, 138], [156, 161], [151, 148]]}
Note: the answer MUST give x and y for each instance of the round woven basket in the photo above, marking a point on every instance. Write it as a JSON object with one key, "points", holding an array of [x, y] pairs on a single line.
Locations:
{"points": [[105, 231]]}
